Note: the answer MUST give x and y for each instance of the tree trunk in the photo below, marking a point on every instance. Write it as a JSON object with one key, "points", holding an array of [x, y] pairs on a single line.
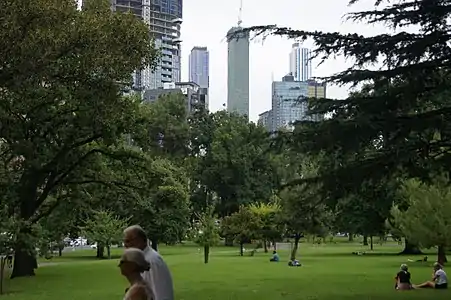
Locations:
{"points": [[241, 249], [2, 270], [24, 261], [265, 246], [371, 243], [100, 251], [24, 264], [228, 242], [60, 251], [365, 240], [206, 253], [154, 244], [441, 255], [295, 247], [351, 237], [410, 249], [108, 251]]}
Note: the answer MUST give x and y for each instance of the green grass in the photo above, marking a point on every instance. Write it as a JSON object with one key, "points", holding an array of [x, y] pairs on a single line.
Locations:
{"points": [[329, 272]]}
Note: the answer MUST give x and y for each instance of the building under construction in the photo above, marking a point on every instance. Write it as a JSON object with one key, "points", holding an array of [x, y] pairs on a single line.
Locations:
{"points": [[164, 18]]}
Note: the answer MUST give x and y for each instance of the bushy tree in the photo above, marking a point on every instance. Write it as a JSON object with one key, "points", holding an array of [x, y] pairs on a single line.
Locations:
{"points": [[206, 230], [243, 225], [271, 228], [164, 211], [63, 114], [105, 229], [427, 220]]}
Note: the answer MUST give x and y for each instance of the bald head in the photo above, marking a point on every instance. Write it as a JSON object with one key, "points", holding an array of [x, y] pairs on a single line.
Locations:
{"points": [[135, 237]]}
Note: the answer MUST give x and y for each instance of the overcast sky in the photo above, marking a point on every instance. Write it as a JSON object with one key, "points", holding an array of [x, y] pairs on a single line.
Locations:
{"points": [[205, 23]]}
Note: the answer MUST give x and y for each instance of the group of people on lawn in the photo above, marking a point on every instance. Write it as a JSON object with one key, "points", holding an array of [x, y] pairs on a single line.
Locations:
{"points": [[439, 279]]}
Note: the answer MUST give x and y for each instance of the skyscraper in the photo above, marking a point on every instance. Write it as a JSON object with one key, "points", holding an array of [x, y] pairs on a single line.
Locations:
{"points": [[287, 105], [164, 18], [199, 66], [300, 63], [238, 72]]}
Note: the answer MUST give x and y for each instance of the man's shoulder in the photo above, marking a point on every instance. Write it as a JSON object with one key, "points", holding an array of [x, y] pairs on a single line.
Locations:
{"points": [[154, 257]]}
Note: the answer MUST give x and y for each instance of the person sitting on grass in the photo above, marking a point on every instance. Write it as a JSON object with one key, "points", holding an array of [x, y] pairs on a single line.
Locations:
{"points": [[275, 257], [439, 279], [403, 279]]}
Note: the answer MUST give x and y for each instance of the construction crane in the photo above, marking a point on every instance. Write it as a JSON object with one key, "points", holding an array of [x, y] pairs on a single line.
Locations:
{"points": [[240, 13]]}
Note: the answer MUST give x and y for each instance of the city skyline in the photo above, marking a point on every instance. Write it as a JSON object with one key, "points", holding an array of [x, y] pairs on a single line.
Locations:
{"points": [[206, 23]]}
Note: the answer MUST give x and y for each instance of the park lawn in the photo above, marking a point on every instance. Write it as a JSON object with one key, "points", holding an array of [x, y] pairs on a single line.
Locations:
{"points": [[329, 272]]}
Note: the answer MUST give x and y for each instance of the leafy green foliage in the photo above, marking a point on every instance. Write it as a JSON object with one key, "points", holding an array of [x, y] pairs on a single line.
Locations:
{"points": [[271, 228], [62, 113], [243, 225], [166, 132], [233, 160], [206, 231], [427, 221], [105, 229], [164, 211]]}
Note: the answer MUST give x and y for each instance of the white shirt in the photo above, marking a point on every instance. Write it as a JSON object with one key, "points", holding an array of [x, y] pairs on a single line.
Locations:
{"points": [[159, 277], [440, 277]]}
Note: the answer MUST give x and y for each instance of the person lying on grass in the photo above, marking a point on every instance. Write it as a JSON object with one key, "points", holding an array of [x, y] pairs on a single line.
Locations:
{"points": [[439, 279], [403, 278]]}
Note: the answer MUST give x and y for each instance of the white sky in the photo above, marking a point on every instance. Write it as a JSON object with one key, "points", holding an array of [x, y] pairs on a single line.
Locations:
{"points": [[205, 23]]}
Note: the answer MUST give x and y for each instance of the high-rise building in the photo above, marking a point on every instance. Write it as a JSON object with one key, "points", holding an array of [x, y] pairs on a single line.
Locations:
{"points": [[238, 72], [265, 120], [164, 18], [300, 63], [287, 104], [199, 66]]}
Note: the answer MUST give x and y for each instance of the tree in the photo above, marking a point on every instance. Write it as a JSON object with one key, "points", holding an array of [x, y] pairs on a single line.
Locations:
{"points": [[62, 109], [428, 218], [167, 131], [303, 213], [402, 115], [235, 161], [243, 226], [206, 230], [271, 230], [105, 229], [303, 210], [164, 211]]}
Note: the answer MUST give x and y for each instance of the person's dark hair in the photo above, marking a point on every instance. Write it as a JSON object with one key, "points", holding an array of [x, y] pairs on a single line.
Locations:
{"points": [[274, 252], [140, 233]]}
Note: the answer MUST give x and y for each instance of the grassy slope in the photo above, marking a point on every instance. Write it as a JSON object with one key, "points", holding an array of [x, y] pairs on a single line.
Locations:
{"points": [[329, 272]]}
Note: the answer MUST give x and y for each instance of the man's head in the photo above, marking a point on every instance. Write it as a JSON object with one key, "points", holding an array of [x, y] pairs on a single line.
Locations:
{"points": [[135, 237]]}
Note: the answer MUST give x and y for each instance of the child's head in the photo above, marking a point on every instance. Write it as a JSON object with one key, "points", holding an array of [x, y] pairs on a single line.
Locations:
{"points": [[404, 268]]}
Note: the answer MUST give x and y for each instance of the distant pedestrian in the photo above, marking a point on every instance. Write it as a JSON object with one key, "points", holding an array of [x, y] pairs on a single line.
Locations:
{"points": [[159, 276]]}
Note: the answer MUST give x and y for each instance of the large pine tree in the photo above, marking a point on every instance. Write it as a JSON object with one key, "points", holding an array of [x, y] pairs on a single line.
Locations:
{"points": [[400, 120]]}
